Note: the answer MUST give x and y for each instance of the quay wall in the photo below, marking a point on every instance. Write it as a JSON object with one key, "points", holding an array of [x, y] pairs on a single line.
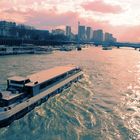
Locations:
{"points": [[18, 42]]}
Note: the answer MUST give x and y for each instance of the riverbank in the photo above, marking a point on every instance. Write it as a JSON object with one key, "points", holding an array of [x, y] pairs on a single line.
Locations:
{"points": [[31, 49], [24, 49]]}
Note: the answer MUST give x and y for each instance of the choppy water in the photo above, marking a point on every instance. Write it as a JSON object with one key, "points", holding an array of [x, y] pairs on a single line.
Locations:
{"points": [[105, 105]]}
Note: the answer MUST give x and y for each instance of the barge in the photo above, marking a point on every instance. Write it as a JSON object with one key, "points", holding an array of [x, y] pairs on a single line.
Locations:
{"points": [[25, 93]]}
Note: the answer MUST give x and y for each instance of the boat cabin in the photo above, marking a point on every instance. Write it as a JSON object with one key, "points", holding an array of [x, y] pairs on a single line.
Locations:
{"points": [[38, 82], [45, 79], [17, 83], [8, 98]]}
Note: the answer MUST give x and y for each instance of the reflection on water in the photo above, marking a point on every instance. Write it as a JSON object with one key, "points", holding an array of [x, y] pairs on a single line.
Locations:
{"points": [[103, 105]]}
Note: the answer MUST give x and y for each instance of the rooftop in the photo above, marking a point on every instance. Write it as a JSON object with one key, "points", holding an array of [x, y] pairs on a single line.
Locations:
{"points": [[17, 78], [49, 74]]}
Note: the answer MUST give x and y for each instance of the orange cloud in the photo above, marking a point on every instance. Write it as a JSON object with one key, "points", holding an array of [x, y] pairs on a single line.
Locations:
{"points": [[14, 15], [128, 33], [48, 19], [102, 7], [52, 19]]}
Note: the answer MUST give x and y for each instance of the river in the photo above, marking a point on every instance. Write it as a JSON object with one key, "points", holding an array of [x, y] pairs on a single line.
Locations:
{"points": [[104, 105]]}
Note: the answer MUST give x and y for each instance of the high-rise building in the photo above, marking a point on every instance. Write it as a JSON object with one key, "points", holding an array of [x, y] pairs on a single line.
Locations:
{"points": [[114, 39], [89, 33], [81, 33], [109, 38], [7, 25], [13, 30], [7, 28], [68, 31], [98, 36]]}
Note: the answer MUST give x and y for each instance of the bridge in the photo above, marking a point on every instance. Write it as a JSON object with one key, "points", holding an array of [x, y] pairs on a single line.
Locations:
{"points": [[123, 44], [109, 44], [116, 44]]}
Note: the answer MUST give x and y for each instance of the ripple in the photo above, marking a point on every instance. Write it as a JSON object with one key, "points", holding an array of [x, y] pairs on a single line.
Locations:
{"points": [[104, 105]]}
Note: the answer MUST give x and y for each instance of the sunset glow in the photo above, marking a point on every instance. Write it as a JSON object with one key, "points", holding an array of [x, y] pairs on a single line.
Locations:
{"points": [[122, 18]]}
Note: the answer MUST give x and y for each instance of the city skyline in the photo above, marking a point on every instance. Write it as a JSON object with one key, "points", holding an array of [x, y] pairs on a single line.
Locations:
{"points": [[85, 33], [121, 18]]}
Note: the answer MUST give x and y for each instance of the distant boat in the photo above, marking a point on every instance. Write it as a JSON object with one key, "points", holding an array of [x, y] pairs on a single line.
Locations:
{"points": [[106, 48], [79, 48]]}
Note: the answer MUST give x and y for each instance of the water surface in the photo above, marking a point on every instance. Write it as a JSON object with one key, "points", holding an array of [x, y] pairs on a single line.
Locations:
{"points": [[104, 105]]}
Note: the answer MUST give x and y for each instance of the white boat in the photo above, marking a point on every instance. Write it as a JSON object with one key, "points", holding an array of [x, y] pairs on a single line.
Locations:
{"points": [[25, 93]]}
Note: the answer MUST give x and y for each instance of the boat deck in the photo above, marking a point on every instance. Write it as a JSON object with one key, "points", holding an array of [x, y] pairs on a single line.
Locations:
{"points": [[45, 75], [7, 95]]}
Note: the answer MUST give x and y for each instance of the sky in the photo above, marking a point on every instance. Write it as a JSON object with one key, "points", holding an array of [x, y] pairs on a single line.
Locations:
{"points": [[119, 17]]}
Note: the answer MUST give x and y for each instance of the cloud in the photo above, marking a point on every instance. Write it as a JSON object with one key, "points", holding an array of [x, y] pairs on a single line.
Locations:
{"points": [[51, 19], [102, 7], [45, 16], [127, 33], [15, 15]]}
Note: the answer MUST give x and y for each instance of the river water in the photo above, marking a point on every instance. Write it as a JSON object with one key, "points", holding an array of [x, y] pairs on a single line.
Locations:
{"points": [[104, 105]]}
